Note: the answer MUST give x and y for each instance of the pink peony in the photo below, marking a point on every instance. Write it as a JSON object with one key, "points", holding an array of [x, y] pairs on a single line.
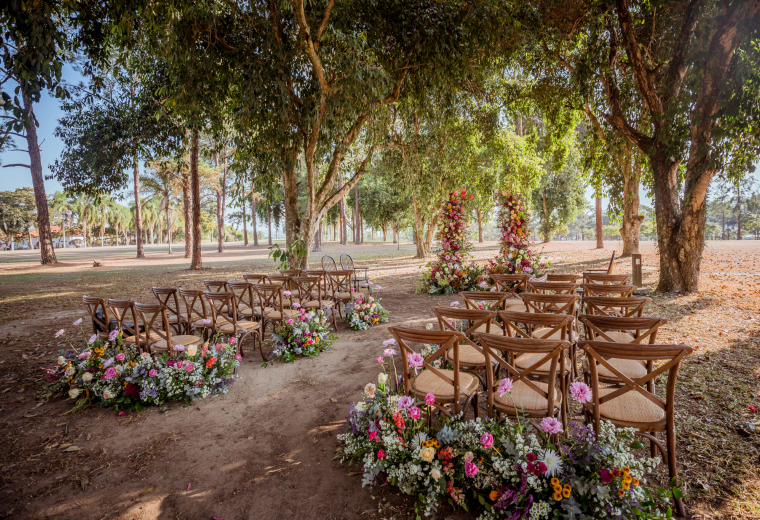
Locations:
{"points": [[110, 373], [414, 412], [120, 356], [430, 399], [470, 469], [415, 361], [78, 321], [152, 372], [188, 367], [405, 402], [389, 342], [380, 454], [486, 440], [551, 425], [581, 392], [505, 385]]}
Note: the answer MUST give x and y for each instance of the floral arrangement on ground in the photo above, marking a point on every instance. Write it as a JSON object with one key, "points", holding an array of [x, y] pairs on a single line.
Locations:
{"points": [[306, 334], [510, 470], [364, 312], [515, 256], [448, 274], [109, 373]]}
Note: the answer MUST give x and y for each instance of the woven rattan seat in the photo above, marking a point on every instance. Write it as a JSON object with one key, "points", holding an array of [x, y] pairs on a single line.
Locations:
{"points": [[428, 382], [182, 339], [630, 407], [242, 326], [526, 360], [526, 397]]}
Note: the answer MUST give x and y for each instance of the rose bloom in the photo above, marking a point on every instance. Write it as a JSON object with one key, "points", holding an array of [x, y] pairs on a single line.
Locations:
{"points": [[74, 393], [435, 474], [107, 394], [370, 389], [86, 377], [188, 367], [152, 372], [414, 412], [486, 440], [191, 350], [120, 356], [430, 399], [61, 360], [70, 371], [428, 453], [110, 373]]}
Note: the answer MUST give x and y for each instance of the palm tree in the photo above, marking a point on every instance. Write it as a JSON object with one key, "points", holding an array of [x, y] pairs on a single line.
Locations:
{"points": [[60, 208], [82, 206], [120, 218], [163, 178], [105, 205]]}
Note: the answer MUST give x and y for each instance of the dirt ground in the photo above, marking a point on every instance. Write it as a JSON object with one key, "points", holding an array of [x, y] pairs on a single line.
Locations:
{"points": [[265, 449]]}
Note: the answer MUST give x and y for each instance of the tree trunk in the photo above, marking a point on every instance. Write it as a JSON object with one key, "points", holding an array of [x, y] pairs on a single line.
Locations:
{"points": [[318, 240], [196, 262], [739, 208], [269, 220], [546, 222], [419, 228], [631, 218], [219, 222], [357, 232], [343, 230], [47, 253], [245, 224], [723, 237], [253, 217], [169, 224], [138, 209], [385, 232], [479, 215], [599, 224], [187, 215]]}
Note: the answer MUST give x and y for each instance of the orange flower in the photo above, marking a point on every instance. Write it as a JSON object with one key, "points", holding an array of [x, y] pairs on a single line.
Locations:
{"points": [[621, 492], [635, 481], [494, 495], [557, 496], [554, 482], [210, 362]]}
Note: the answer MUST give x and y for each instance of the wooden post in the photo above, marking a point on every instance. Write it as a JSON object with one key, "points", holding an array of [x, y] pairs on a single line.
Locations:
{"points": [[636, 269]]}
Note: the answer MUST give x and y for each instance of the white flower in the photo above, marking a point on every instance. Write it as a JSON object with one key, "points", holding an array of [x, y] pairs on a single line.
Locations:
{"points": [[553, 462], [191, 350], [435, 474], [69, 371], [87, 377], [429, 326], [61, 360], [369, 389], [382, 379], [107, 395], [145, 355], [361, 406], [74, 393]]}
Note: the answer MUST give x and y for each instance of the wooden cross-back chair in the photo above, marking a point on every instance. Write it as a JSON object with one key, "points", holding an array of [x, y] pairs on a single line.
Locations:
{"points": [[290, 272], [627, 307], [216, 285], [271, 303], [167, 296], [256, 277], [230, 325], [285, 281], [448, 386], [535, 399], [101, 321], [158, 332], [604, 278], [567, 278], [322, 275], [492, 300], [633, 331], [552, 287], [532, 325], [195, 307], [360, 281], [123, 310], [310, 295], [247, 304], [551, 303], [328, 263], [607, 270], [512, 284], [341, 287], [612, 291], [471, 357], [632, 404]]}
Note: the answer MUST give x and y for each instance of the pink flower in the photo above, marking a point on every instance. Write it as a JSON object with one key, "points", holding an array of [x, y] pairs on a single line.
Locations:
{"points": [[179, 364], [470, 469], [580, 392], [373, 436], [389, 352], [389, 342], [380, 454], [233, 340], [290, 321], [84, 355], [551, 425], [414, 412], [505, 385], [486, 440], [430, 399], [606, 476], [454, 304], [92, 339], [379, 360], [110, 373], [112, 335], [152, 372], [60, 332], [296, 305], [415, 361], [238, 357], [286, 293], [188, 367], [530, 457], [469, 456], [120, 356], [405, 402], [77, 322]]}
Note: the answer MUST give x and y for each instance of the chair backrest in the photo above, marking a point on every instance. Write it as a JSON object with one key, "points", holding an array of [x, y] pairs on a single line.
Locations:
{"points": [[616, 290], [256, 278], [612, 262], [640, 331], [569, 278], [290, 272], [321, 274], [491, 300], [100, 322], [599, 353], [340, 281], [194, 303], [552, 303], [216, 285], [624, 307], [328, 263], [270, 295], [527, 325], [602, 278], [154, 319], [553, 287], [413, 340], [469, 319], [504, 349], [309, 288], [346, 262], [125, 309], [243, 292], [511, 283], [223, 304], [167, 296]]}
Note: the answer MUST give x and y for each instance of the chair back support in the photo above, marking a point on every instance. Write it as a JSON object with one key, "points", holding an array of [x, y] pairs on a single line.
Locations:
{"points": [[551, 303], [223, 304], [100, 324], [125, 309], [216, 285], [346, 262], [309, 288], [643, 330], [340, 281], [167, 296], [525, 324], [493, 301], [281, 280], [599, 353], [194, 303], [290, 272], [552, 287], [243, 292], [270, 296], [504, 349], [321, 274], [511, 283], [624, 307], [256, 278], [604, 278], [408, 338], [328, 263], [616, 290], [154, 319], [567, 278], [472, 319]]}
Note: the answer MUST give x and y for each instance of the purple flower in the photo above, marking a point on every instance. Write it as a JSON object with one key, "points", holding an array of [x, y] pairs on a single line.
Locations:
{"points": [[405, 402], [179, 348], [59, 333]]}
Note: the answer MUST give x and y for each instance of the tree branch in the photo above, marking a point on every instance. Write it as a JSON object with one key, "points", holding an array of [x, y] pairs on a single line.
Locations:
{"points": [[21, 165], [677, 68], [323, 25]]}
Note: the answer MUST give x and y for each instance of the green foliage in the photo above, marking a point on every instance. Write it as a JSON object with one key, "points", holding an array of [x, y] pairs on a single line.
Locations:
{"points": [[284, 257]]}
